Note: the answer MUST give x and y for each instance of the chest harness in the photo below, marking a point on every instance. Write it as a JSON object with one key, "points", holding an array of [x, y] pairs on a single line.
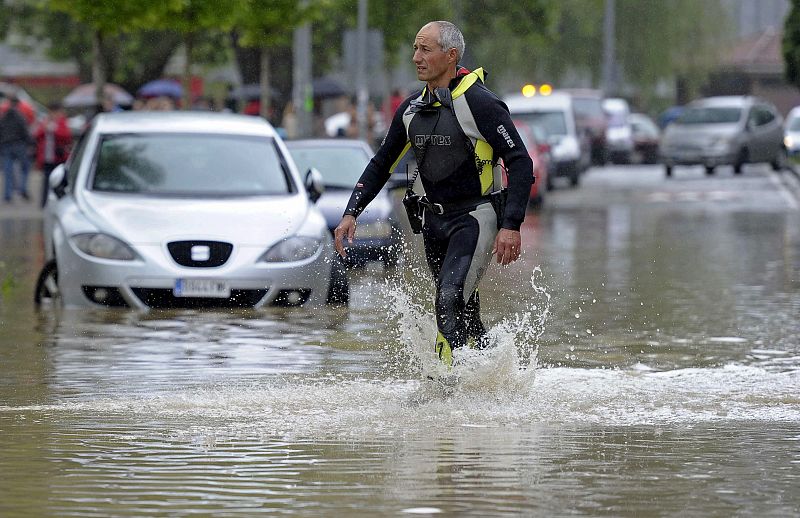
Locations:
{"points": [[445, 140]]}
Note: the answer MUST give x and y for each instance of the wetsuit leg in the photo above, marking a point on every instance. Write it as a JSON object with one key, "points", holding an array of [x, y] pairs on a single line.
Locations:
{"points": [[458, 248], [472, 317]]}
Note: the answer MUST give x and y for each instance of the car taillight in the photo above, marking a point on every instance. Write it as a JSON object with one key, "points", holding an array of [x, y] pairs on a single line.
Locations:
{"points": [[543, 148]]}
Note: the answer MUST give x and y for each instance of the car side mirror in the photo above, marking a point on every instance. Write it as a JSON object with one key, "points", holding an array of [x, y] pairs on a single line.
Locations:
{"points": [[314, 184], [57, 181]]}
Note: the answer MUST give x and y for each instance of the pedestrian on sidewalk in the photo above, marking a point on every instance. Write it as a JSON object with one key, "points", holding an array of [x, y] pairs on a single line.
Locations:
{"points": [[53, 140], [15, 144]]}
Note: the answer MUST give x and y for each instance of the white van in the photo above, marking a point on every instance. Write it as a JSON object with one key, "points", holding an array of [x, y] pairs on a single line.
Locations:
{"points": [[569, 151]]}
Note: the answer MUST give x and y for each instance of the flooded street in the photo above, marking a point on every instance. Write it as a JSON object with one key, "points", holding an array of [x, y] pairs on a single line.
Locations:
{"points": [[646, 362]]}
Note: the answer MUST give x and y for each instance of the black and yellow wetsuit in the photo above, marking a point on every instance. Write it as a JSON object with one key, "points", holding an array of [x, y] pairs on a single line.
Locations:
{"points": [[456, 149]]}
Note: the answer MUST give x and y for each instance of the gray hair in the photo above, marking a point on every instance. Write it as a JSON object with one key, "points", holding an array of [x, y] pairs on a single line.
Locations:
{"points": [[450, 37]]}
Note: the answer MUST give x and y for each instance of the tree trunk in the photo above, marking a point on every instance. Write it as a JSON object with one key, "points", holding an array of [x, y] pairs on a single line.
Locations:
{"points": [[264, 83], [187, 72], [98, 71]]}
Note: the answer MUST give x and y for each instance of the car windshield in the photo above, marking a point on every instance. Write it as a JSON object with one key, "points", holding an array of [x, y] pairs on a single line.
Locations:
{"points": [[705, 115], [587, 108], [190, 164], [553, 122], [794, 124], [340, 166]]}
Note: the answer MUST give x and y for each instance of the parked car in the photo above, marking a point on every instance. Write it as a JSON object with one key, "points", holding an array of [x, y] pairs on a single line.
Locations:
{"points": [[791, 134], [535, 141], [729, 130], [619, 134], [554, 113], [646, 137], [666, 117], [591, 119], [341, 162], [194, 209]]}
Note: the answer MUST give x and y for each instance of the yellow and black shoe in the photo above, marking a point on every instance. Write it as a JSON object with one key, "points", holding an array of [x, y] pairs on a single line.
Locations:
{"points": [[444, 351]]}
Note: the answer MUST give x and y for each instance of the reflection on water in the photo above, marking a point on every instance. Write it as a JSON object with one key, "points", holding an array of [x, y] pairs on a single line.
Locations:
{"points": [[646, 361]]}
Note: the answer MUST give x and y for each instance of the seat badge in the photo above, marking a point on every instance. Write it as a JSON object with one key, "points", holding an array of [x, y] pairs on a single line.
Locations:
{"points": [[201, 253]]}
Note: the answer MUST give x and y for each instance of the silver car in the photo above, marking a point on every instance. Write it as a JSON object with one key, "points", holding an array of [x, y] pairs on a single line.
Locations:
{"points": [[732, 130], [341, 162], [191, 210]]}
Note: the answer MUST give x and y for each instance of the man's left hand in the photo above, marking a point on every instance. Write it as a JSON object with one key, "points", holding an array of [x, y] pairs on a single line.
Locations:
{"points": [[507, 246]]}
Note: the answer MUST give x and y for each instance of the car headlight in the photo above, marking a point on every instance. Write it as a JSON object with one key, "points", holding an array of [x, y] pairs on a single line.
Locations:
{"points": [[374, 230], [788, 142], [103, 246], [296, 248]]}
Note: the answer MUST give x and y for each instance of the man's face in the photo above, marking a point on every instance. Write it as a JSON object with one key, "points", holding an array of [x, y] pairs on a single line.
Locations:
{"points": [[431, 60]]}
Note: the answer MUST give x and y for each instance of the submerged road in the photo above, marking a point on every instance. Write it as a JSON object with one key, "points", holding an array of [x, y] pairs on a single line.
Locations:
{"points": [[646, 362]]}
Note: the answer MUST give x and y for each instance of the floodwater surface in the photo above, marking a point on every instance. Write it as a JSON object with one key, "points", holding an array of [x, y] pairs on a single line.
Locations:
{"points": [[645, 361]]}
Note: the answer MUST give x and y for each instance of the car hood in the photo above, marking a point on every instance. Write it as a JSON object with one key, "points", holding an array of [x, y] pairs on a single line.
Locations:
{"points": [[256, 221], [698, 134], [333, 202]]}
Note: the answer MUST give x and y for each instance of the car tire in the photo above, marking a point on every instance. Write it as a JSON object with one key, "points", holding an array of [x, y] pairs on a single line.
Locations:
{"points": [[575, 178], [779, 164], [741, 159], [668, 170], [339, 289], [709, 170], [47, 291]]}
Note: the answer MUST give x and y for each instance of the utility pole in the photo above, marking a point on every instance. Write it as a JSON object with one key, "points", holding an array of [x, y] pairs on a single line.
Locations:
{"points": [[362, 92], [609, 50], [302, 89]]}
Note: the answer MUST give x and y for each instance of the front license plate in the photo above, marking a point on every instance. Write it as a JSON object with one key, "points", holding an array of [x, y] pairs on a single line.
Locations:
{"points": [[201, 288]]}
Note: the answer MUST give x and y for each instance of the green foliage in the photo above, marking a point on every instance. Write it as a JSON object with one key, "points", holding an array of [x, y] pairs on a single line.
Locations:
{"points": [[791, 44], [270, 23], [558, 41], [655, 40], [110, 17]]}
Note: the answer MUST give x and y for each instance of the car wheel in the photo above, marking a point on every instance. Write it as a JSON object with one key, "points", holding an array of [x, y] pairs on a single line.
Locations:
{"points": [[668, 170], [779, 164], [47, 292], [709, 170], [548, 184], [574, 178], [339, 289], [741, 159]]}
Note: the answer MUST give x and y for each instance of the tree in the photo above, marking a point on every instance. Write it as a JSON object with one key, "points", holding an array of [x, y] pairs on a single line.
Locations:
{"points": [[194, 20], [268, 25], [791, 44], [105, 19]]}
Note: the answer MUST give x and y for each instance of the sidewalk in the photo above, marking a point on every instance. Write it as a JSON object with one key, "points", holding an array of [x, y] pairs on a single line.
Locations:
{"points": [[21, 209]]}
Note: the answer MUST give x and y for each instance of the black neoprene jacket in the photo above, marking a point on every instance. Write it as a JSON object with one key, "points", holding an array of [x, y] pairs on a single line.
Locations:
{"points": [[495, 126]]}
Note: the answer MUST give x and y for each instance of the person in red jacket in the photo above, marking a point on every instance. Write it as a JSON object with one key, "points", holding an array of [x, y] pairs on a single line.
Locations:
{"points": [[53, 141]]}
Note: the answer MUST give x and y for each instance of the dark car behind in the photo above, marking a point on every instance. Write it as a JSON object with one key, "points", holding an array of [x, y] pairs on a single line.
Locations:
{"points": [[341, 162]]}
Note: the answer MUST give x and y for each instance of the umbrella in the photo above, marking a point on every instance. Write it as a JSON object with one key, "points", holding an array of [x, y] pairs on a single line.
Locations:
{"points": [[327, 87], [251, 92], [84, 96], [161, 88]]}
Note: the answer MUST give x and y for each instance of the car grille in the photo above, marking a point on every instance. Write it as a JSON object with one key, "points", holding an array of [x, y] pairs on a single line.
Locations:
{"points": [[161, 298], [200, 254]]}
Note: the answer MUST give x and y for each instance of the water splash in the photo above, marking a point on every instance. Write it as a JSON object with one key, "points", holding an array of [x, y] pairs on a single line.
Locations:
{"points": [[509, 362]]}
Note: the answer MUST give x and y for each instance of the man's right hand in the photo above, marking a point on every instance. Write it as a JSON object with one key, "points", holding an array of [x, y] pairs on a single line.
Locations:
{"points": [[346, 228]]}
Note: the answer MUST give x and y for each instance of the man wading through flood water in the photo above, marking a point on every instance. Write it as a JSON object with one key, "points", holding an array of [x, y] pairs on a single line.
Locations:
{"points": [[457, 130]]}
